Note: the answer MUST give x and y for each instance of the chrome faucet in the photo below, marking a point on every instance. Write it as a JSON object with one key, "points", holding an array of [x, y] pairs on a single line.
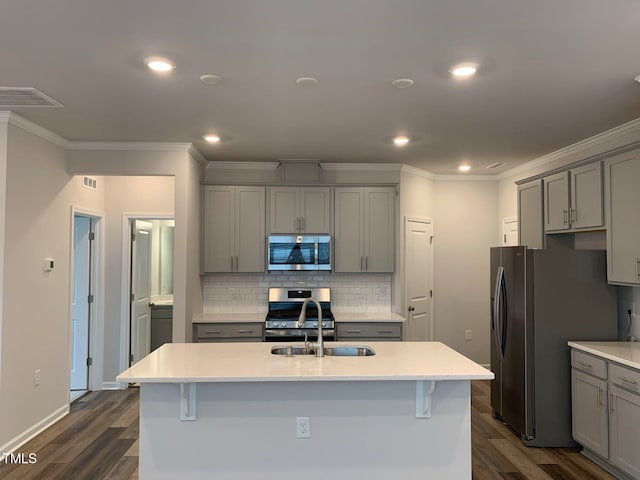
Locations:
{"points": [[319, 345]]}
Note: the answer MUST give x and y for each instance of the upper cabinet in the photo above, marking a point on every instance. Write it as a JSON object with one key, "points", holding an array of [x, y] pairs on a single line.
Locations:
{"points": [[234, 229], [622, 193], [300, 210], [573, 199], [530, 214], [364, 229]]}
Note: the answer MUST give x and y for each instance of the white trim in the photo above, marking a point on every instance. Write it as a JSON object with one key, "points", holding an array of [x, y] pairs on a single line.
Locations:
{"points": [[370, 167], [137, 146], [243, 165], [466, 178], [114, 386], [125, 276], [16, 442], [197, 155], [611, 134], [34, 128], [417, 171]]}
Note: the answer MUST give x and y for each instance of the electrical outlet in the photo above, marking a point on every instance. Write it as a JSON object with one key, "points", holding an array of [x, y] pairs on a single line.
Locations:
{"points": [[467, 334], [303, 427], [630, 307], [36, 377]]}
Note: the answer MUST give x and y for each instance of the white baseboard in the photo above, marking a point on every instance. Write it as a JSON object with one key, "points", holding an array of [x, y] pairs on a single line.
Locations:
{"points": [[114, 386], [38, 428]]}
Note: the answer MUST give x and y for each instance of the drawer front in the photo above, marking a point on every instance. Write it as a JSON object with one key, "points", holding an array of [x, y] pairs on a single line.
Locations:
{"points": [[624, 377], [588, 363], [371, 331], [228, 330], [162, 312]]}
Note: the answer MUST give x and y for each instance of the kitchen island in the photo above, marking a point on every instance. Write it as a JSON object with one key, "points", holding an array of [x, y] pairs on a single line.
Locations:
{"points": [[232, 411]]}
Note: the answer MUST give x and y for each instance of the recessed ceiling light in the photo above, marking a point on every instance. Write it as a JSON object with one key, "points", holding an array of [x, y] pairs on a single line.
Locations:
{"points": [[212, 138], [306, 81], [211, 79], [159, 64], [464, 70], [401, 141], [464, 167], [402, 83]]}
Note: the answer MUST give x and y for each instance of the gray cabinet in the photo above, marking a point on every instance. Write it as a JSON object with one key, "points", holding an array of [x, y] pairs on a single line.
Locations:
{"points": [[573, 199], [299, 210], [228, 332], [234, 229], [530, 231], [161, 325], [622, 194], [624, 419], [364, 229], [372, 332]]}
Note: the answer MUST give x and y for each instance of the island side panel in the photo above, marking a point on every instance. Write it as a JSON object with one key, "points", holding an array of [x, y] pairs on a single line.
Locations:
{"points": [[358, 430]]}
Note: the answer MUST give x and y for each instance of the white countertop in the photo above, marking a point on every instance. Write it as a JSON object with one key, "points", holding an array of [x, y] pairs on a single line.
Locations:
{"points": [[253, 362], [624, 353], [260, 317]]}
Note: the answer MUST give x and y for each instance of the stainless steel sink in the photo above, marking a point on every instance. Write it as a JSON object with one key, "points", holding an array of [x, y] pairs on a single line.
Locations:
{"points": [[349, 351], [339, 351]]}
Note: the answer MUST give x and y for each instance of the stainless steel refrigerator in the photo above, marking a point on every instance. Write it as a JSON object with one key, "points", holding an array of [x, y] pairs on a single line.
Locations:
{"points": [[540, 299]]}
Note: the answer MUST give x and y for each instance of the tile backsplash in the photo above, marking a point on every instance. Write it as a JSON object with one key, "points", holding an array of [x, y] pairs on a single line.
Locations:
{"points": [[246, 293]]}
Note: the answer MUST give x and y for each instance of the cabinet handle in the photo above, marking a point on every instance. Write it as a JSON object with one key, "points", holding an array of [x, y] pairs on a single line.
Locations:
{"points": [[611, 410], [303, 221], [574, 215], [565, 216], [628, 380], [215, 332], [600, 404], [385, 331], [588, 365], [244, 330], [638, 267], [353, 331]]}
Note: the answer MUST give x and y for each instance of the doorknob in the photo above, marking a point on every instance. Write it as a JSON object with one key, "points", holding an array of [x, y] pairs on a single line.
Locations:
{"points": [[411, 308]]}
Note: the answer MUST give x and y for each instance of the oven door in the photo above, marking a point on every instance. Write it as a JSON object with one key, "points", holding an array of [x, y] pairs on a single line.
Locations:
{"points": [[299, 252], [297, 334]]}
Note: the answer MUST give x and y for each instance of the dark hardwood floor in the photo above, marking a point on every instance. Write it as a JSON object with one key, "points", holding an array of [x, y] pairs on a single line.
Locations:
{"points": [[98, 440]]}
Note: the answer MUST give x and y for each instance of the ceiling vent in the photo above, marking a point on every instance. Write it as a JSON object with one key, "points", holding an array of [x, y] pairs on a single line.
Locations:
{"points": [[496, 165], [18, 97]]}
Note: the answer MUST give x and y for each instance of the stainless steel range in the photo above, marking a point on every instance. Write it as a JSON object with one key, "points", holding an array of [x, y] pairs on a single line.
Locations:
{"points": [[285, 305]]}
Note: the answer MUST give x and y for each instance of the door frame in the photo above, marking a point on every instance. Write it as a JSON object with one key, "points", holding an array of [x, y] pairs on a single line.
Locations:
{"points": [[96, 308], [125, 281], [409, 218], [505, 222]]}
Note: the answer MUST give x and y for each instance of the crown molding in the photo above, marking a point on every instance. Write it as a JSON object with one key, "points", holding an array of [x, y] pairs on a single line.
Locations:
{"points": [[137, 146], [608, 135], [243, 165], [27, 125], [369, 167], [418, 172], [197, 155]]}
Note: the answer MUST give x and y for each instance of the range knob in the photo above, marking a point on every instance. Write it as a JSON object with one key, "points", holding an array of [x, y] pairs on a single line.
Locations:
{"points": [[283, 324], [324, 324], [315, 324]]}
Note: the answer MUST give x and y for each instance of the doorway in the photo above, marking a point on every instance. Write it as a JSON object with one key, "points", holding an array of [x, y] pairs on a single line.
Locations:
{"points": [[510, 231], [418, 279]]}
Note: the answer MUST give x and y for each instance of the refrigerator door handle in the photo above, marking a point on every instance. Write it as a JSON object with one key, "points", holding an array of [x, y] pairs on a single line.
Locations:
{"points": [[503, 311], [497, 337]]}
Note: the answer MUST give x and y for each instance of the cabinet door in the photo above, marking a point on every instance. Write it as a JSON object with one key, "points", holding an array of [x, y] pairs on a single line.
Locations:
{"points": [[349, 241], [283, 207], [315, 210], [530, 214], [219, 232], [622, 194], [589, 412], [556, 202], [379, 230], [624, 430], [250, 229], [586, 196]]}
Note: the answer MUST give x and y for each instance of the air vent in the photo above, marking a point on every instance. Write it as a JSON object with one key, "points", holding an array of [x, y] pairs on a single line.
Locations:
{"points": [[17, 97], [496, 165], [90, 183]]}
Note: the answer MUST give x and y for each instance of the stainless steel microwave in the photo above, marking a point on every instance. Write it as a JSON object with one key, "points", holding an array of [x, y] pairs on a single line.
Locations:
{"points": [[299, 252]]}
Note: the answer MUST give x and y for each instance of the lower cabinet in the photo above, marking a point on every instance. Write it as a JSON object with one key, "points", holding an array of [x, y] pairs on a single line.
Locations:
{"points": [[228, 332], [161, 325], [606, 411], [372, 332]]}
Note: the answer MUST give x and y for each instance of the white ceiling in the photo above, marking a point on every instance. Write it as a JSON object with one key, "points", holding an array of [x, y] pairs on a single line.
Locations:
{"points": [[551, 73]]}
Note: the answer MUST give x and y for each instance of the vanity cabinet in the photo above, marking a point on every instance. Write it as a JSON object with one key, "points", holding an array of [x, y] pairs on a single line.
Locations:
{"points": [[364, 229], [234, 229], [161, 325], [530, 231], [228, 332], [573, 199], [300, 210], [371, 332], [622, 193]]}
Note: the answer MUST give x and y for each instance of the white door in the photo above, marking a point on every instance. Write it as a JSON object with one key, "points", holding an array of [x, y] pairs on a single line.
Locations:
{"points": [[80, 303], [510, 232], [140, 290], [418, 279]]}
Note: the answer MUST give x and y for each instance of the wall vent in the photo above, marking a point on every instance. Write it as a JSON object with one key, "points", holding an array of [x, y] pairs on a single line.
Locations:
{"points": [[90, 183], [16, 97], [496, 165]]}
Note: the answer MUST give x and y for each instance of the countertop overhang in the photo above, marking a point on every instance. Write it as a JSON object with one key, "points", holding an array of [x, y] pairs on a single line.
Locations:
{"points": [[253, 362], [624, 353]]}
